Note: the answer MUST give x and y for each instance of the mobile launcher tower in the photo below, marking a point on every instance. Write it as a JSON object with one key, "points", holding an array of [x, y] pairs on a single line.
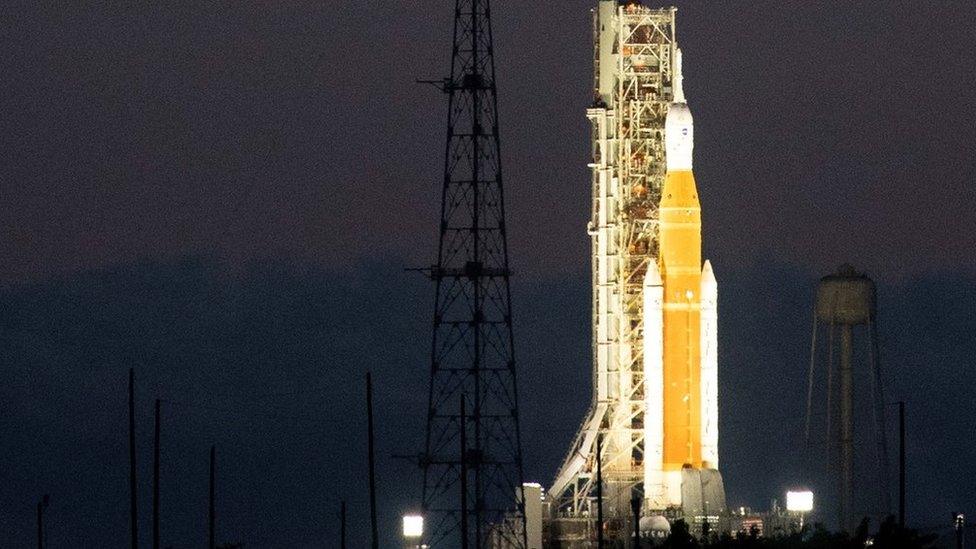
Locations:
{"points": [[654, 413]]}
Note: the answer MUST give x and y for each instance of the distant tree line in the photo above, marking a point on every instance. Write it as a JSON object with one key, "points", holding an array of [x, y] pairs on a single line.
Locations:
{"points": [[888, 536]]}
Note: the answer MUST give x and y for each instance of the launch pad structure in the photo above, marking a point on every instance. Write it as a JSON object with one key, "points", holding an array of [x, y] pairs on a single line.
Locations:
{"points": [[626, 142], [654, 403]]}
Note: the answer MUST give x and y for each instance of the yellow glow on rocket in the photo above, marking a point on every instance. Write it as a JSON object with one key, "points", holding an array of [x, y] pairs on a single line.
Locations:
{"points": [[680, 260]]}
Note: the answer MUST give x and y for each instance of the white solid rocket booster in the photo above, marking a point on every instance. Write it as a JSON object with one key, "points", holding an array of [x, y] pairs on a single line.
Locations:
{"points": [[654, 489], [709, 366]]}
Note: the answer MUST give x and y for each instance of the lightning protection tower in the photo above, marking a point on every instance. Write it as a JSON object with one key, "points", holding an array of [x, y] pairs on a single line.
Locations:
{"points": [[473, 459]]}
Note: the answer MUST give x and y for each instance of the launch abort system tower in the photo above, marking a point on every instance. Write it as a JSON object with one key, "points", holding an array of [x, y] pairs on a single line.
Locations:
{"points": [[654, 405], [473, 459]]}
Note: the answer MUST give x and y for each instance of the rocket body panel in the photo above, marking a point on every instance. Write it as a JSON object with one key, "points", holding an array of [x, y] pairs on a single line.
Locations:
{"points": [[680, 259]]}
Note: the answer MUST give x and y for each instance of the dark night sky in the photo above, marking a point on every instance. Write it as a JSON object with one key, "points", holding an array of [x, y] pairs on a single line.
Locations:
{"points": [[224, 196]]}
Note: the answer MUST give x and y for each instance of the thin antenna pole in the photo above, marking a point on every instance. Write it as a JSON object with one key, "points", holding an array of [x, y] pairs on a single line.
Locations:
{"points": [[133, 511], [41, 506], [846, 428], [40, 525], [599, 491], [635, 506], [813, 361], [901, 464], [830, 387], [155, 518], [342, 528], [213, 481], [464, 477], [880, 423], [372, 462], [959, 522]]}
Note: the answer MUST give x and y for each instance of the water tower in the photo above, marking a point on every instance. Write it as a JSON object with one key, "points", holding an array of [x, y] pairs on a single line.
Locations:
{"points": [[846, 321]]}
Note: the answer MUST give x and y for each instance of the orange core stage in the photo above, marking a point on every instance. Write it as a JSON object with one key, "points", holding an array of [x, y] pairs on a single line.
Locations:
{"points": [[680, 265]]}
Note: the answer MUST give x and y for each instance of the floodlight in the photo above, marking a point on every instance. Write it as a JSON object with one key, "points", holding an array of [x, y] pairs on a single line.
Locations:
{"points": [[413, 526], [799, 501]]}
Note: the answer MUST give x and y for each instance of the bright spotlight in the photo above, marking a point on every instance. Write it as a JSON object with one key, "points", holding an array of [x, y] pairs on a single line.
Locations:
{"points": [[413, 526], [800, 502]]}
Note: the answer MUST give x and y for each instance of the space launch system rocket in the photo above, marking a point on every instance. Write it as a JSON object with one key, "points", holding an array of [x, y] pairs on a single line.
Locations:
{"points": [[680, 337]]}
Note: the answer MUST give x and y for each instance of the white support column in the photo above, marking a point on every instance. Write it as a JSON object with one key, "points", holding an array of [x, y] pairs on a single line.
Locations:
{"points": [[600, 230], [533, 514]]}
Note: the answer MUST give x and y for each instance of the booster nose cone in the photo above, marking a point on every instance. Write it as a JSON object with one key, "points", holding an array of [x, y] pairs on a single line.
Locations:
{"points": [[708, 282], [653, 275]]}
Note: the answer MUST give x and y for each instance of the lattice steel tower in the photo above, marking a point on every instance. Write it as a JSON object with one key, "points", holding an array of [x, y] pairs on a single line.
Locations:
{"points": [[472, 493]]}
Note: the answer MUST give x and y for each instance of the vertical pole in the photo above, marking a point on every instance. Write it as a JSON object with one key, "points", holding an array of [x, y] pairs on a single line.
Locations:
{"points": [[476, 236], [155, 518], [464, 477], [372, 462], [813, 362], [846, 426], [212, 516], [599, 492], [901, 464], [959, 523], [706, 527], [635, 506], [877, 396], [133, 518], [40, 525], [342, 528]]}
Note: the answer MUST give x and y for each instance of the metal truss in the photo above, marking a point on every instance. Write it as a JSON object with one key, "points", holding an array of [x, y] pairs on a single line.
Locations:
{"points": [[633, 77], [473, 459]]}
